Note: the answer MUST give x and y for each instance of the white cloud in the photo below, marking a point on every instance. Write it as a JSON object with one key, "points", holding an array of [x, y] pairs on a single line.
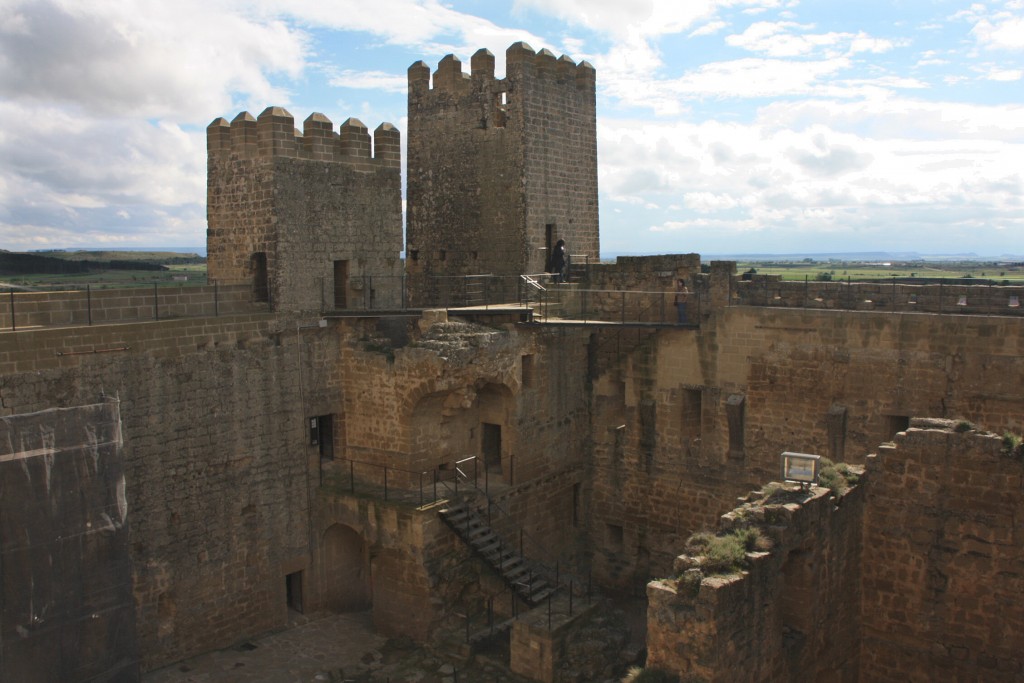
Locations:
{"points": [[790, 39], [708, 29], [369, 80], [148, 59], [1001, 33], [1005, 75], [816, 168]]}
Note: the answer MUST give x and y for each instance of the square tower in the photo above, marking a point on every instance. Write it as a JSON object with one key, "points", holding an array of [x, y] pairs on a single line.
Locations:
{"points": [[500, 169], [312, 220]]}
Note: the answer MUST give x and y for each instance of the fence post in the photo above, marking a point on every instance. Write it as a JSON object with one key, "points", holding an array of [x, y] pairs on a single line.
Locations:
{"points": [[156, 303]]}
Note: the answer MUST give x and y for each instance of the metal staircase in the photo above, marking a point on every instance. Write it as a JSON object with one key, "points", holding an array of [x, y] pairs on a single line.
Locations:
{"points": [[529, 584]]}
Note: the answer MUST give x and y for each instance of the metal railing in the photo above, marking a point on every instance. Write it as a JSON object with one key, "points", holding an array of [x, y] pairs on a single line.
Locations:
{"points": [[950, 296], [86, 305]]}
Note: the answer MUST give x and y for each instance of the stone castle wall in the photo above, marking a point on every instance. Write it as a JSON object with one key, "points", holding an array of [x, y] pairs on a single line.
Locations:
{"points": [[791, 616], [214, 465], [303, 202], [692, 418], [913, 574], [943, 557], [492, 162], [957, 298], [82, 307]]}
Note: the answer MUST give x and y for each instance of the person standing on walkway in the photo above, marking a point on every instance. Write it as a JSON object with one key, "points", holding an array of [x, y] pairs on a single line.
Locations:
{"points": [[682, 296], [558, 261]]}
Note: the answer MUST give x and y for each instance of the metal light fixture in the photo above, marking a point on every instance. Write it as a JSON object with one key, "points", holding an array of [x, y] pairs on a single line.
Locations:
{"points": [[801, 468]]}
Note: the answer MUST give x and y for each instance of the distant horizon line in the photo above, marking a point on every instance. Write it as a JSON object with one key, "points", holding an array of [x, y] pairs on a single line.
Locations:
{"points": [[758, 256]]}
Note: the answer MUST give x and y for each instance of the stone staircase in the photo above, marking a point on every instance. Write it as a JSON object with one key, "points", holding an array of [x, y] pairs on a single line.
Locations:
{"points": [[528, 584]]}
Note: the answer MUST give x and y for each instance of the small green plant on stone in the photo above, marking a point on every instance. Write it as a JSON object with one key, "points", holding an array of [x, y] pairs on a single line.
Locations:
{"points": [[964, 426], [851, 477], [838, 478], [1012, 444], [726, 554], [772, 490]]}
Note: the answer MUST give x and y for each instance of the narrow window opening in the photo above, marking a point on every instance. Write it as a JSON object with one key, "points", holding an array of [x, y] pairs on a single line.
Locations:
{"points": [[321, 435], [490, 446], [340, 285], [293, 591], [691, 416], [527, 377], [734, 409], [576, 505], [260, 277]]}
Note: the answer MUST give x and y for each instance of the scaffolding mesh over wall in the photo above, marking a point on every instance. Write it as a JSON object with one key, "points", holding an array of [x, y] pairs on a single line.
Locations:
{"points": [[66, 607]]}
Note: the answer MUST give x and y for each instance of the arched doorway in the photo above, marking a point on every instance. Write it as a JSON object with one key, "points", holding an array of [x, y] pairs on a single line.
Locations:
{"points": [[346, 570]]}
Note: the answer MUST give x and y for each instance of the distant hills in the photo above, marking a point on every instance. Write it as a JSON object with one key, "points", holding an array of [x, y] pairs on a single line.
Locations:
{"points": [[61, 262], [860, 256]]}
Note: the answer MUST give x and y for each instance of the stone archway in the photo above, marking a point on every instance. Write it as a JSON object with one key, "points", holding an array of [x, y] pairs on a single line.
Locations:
{"points": [[346, 570]]}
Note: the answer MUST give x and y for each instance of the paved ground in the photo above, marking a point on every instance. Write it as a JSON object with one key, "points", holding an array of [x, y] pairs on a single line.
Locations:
{"points": [[330, 648]]}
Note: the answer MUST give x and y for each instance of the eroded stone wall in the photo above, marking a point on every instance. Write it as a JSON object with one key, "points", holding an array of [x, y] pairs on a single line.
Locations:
{"points": [[943, 558], [790, 616]]}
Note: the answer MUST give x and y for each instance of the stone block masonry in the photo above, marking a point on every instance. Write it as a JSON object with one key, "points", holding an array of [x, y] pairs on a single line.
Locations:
{"points": [[791, 616], [96, 307], [301, 218], [943, 558], [215, 473], [500, 169]]}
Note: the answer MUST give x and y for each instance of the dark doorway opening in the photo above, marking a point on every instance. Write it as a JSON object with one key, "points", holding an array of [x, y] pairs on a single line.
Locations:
{"points": [[490, 447], [549, 243], [293, 591], [321, 434], [260, 279], [340, 285]]}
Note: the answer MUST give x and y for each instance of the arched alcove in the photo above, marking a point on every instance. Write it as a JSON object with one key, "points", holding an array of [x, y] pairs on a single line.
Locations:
{"points": [[346, 570]]}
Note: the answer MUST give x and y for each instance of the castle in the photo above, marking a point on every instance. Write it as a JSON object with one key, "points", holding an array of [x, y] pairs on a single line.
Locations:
{"points": [[451, 440]]}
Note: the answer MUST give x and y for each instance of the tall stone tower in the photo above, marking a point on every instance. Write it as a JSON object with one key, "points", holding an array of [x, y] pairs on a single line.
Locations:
{"points": [[304, 217], [500, 169]]}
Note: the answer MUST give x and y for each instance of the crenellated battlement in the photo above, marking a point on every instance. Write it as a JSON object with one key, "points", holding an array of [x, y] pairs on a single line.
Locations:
{"points": [[273, 134], [522, 62]]}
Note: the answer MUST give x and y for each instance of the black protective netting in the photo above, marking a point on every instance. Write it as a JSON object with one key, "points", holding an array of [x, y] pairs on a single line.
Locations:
{"points": [[66, 606]]}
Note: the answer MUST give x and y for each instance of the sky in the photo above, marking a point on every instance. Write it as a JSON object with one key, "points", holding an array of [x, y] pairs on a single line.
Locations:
{"points": [[724, 126]]}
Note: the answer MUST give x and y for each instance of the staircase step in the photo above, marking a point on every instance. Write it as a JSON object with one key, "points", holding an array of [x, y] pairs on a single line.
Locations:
{"points": [[512, 562], [490, 548], [515, 575], [483, 540], [541, 595]]}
